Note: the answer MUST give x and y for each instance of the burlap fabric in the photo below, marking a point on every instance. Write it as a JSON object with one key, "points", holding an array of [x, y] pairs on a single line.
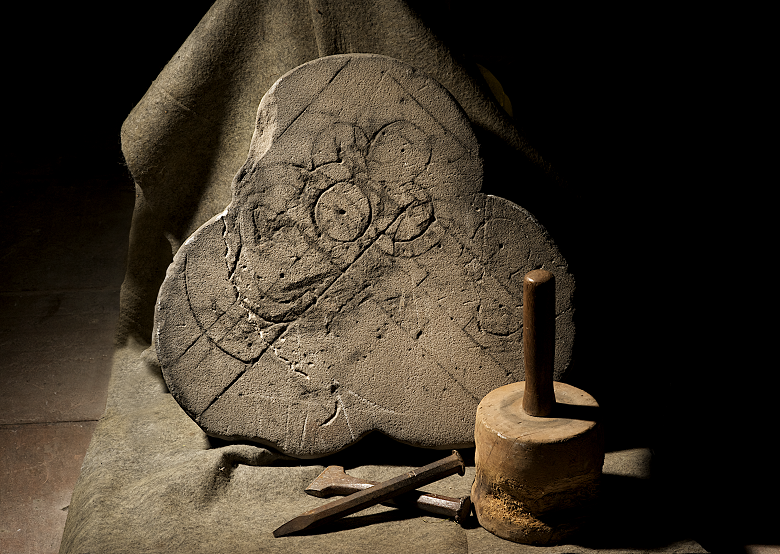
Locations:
{"points": [[151, 480]]}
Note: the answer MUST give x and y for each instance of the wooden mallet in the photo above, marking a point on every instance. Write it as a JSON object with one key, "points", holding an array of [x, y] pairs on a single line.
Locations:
{"points": [[539, 445]]}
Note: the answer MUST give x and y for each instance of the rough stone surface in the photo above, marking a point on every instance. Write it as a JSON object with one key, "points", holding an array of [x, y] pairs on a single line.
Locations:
{"points": [[358, 280]]}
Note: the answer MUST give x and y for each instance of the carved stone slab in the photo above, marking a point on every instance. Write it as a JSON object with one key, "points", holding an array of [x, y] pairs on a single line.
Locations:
{"points": [[358, 280]]}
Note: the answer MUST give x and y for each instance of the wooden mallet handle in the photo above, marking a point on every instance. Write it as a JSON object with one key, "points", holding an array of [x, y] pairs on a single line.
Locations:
{"points": [[539, 342]]}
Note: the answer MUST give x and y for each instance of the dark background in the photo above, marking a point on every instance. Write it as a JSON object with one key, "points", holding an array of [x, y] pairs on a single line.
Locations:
{"points": [[614, 100]]}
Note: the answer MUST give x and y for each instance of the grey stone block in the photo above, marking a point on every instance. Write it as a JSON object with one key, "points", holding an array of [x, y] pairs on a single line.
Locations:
{"points": [[358, 280]]}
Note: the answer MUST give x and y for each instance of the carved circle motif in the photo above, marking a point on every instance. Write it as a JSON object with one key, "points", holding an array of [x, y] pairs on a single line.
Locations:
{"points": [[343, 212], [357, 277]]}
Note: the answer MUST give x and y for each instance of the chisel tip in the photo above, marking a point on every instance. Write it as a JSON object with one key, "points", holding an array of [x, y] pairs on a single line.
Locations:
{"points": [[293, 526]]}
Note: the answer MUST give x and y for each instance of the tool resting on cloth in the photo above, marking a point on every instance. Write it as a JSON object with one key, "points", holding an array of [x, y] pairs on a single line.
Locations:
{"points": [[152, 482]]}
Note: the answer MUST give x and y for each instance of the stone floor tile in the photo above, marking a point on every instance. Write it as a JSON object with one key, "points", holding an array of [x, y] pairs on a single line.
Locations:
{"points": [[55, 355], [39, 466]]}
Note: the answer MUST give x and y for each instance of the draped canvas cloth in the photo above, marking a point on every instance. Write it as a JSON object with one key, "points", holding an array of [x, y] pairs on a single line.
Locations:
{"points": [[151, 480], [189, 135]]}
